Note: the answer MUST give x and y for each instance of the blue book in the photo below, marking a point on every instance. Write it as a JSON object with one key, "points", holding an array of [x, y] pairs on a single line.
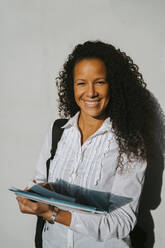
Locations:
{"points": [[93, 201]]}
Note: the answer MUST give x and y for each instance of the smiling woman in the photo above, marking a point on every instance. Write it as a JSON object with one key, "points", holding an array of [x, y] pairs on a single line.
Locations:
{"points": [[104, 146], [91, 92], [91, 89]]}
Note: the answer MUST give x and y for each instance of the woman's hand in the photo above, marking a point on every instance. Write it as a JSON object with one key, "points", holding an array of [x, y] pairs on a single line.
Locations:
{"points": [[47, 186], [36, 208], [41, 209]]}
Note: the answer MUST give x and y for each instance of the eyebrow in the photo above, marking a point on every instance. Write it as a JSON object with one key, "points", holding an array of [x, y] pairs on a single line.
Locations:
{"points": [[95, 79]]}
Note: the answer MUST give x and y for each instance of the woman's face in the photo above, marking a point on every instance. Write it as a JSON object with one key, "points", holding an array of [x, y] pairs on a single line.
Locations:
{"points": [[91, 90]]}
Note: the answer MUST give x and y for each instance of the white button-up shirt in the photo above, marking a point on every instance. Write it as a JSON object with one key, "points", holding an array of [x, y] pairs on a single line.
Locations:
{"points": [[93, 165]]}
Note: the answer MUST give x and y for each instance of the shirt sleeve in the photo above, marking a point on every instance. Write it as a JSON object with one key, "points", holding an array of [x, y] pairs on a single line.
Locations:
{"points": [[40, 171], [122, 220]]}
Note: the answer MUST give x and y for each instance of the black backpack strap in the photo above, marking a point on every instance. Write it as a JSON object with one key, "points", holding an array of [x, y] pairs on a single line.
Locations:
{"points": [[56, 135]]}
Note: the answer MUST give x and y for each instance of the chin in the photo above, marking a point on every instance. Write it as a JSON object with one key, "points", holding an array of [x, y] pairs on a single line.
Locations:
{"points": [[95, 115]]}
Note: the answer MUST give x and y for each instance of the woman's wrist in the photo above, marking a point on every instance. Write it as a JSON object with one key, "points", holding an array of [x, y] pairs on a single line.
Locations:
{"points": [[47, 215], [51, 218], [61, 216]]}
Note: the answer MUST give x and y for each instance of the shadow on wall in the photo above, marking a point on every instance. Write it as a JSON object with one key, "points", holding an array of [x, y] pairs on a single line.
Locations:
{"points": [[143, 235]]}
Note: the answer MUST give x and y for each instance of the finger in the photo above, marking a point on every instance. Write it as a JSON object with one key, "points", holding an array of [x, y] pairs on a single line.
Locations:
{"points": [[18, 198], [27, 202], [21, 199], [34, 207], [56, 209], [52, 187], [43, 184], [42, 207], [26, 189], [28, 206], [25, 209]]}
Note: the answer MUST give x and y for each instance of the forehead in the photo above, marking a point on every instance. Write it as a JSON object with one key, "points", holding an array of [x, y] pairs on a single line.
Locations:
{"points": [[90, 66]]}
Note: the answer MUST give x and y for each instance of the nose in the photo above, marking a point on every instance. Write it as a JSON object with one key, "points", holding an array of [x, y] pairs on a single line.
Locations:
{"points": [[91, 91]]}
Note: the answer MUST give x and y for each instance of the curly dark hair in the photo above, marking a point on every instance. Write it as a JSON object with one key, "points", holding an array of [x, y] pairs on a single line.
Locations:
{"points": [[137, 118]]}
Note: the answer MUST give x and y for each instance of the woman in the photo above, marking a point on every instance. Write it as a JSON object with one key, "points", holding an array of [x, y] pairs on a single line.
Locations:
{"points": [[104, 145]]}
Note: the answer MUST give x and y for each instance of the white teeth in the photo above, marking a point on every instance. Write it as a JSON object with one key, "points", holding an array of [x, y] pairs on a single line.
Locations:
{"points": [[91, 103]]}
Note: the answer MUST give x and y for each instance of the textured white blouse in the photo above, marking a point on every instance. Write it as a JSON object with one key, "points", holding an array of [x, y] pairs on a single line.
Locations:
{"points": [[92, 165]]}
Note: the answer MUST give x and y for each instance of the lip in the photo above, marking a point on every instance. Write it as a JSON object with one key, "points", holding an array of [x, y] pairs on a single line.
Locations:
{"points": [[92, 103]]}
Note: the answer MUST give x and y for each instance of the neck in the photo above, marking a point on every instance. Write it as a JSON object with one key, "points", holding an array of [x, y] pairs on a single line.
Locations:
{"points": [[88, 122]]}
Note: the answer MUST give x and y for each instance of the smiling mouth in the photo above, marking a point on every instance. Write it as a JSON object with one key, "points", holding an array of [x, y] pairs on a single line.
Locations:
{"points": [[92, 103]]}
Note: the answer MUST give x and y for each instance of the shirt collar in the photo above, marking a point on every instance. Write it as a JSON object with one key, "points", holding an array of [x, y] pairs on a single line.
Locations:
{"points": [[106, 126], [72, 121]]}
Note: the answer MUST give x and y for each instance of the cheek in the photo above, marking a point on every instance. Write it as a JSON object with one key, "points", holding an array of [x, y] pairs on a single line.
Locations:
{"points": [[105, 93], [77, 93], [77, 96], [106, 102], [106, 99]]}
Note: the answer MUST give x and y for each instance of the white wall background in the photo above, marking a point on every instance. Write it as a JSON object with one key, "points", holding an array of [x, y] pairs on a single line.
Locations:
{"points": [[35, 38]]}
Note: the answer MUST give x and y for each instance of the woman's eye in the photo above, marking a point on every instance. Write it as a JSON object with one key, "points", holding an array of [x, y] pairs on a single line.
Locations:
{"points": [[100, 82], [80, 83]]}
